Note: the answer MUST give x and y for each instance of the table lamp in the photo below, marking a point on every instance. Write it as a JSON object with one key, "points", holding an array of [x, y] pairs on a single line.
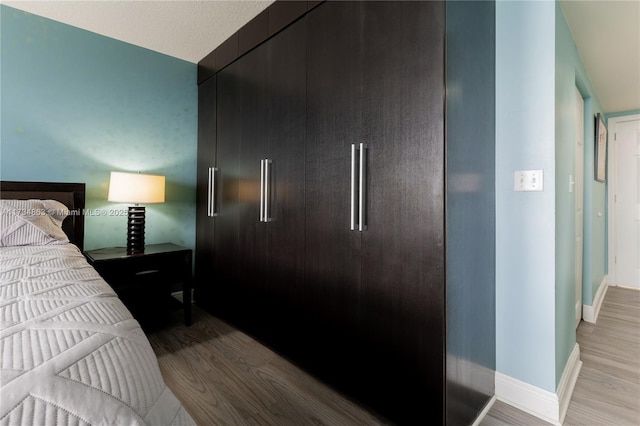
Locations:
{"points": [[136, 188]]}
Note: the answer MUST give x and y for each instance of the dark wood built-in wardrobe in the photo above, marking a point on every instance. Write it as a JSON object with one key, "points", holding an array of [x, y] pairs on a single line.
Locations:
{"points": [[346, 197]]}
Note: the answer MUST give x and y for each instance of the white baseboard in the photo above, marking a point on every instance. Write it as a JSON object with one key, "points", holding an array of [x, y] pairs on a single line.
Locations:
{"points": [[548, 406], [627, 288], [590, 312], [485, 411], [568, 380], [528, 398]]}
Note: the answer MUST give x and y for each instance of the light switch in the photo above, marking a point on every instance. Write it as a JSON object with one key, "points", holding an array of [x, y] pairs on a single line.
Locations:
{"points": [[528, 180], [571, 183]]}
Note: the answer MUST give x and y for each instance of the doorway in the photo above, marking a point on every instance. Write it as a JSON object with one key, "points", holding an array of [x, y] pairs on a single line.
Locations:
{"points": [[624, 201]]}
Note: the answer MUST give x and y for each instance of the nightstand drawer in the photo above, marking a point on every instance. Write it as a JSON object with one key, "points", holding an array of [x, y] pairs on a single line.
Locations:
{"points": [[129, 271]]}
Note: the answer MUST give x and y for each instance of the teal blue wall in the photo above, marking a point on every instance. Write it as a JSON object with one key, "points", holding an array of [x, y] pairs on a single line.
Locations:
{"points": [[623, 113], [570, 73], [76, 105], [537, 70], [525, 234], [470, 212]]}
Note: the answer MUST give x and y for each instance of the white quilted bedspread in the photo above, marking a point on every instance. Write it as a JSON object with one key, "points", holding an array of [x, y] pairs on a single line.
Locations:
{"points": [[71, 354]]}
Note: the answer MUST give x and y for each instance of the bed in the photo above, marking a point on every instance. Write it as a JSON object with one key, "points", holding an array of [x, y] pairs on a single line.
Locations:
{"points": [[71, 353]]}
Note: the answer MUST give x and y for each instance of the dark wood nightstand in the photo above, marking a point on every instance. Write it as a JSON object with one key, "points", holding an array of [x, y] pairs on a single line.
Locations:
{"points": [[143, 280]]}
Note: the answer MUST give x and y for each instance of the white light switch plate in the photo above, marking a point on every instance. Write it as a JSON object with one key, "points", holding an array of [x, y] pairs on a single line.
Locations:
{"points": [[528, 180]]}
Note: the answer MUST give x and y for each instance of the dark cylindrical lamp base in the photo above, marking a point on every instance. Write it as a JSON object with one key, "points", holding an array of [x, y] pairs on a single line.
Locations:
{"points": [[135, 230]]}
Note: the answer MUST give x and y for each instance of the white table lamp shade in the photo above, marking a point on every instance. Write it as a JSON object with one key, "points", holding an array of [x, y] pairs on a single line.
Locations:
{"points": [[136, 188]]}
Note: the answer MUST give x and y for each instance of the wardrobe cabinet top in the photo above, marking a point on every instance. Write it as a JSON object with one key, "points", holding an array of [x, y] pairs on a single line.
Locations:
{"points": [[269, 22]]}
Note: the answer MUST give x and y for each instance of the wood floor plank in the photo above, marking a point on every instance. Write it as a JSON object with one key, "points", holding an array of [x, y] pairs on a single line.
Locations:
{"points": [[195, 383], [309, 385], [608, 388], [224, 377], [502, 414], [316, 402]]}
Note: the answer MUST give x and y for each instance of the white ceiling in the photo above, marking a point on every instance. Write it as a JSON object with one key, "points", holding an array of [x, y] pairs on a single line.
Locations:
{"points": [[607, 32], [185, 29]]}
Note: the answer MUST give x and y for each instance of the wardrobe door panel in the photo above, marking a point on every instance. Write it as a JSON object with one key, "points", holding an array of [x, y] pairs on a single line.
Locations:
{"points": [[403, 287], [286, 149], [334, 123], [206, 160], [226, 261], [252, 233]]}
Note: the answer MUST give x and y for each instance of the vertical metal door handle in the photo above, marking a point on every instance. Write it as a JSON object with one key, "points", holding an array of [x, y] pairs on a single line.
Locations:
{"points": [[362, 192], [262, 215], [267, 184], [211, 193], [352, 213]]}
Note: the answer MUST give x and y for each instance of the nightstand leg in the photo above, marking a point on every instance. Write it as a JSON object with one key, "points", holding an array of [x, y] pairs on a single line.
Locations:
{"points": [[186, 291], [187, 305]]}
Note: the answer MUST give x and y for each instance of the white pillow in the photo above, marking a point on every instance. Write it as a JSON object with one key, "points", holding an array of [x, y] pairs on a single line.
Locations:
{"points": [[32, 222]]}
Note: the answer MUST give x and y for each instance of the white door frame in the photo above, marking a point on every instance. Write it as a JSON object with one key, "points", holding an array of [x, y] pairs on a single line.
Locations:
{"points": [[611, 189], [577, 187]]}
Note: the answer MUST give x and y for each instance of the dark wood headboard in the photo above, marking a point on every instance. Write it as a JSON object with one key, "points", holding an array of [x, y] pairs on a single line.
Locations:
{"points": [[71, 195]]}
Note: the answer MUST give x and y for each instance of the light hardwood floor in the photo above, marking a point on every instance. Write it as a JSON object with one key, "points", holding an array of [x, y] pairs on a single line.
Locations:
{"points": [[607, 392], [224, 377]]}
